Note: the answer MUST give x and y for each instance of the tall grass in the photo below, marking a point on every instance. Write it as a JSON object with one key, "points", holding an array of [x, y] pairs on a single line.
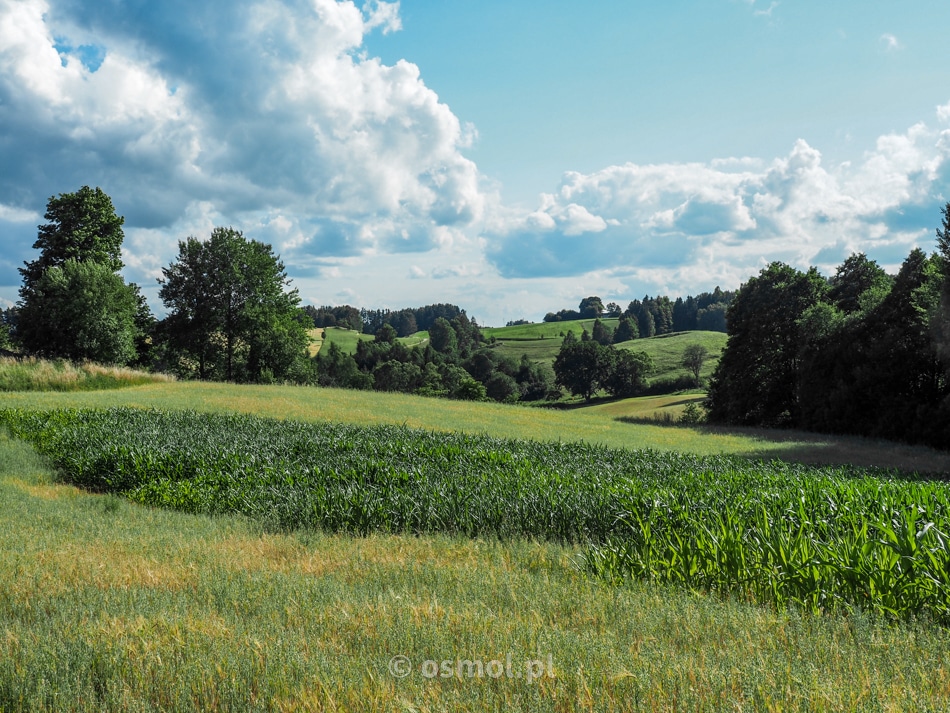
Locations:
{"points": [[32, 374], [823, 539]]}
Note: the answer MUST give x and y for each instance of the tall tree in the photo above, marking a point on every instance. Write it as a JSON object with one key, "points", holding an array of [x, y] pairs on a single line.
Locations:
{"points": [[591, 307], [694, 356], [626, 330], [73, 303], [80, 311], [853, 279], [83, 226], [229, 309], [754, 382], [626, 372], [582, 367]]}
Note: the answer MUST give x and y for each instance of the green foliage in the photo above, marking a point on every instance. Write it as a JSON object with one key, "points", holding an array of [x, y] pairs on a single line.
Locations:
{"points": [[626, 331], [754, 383], [601, 334], [582, 367], [854, 278], [83, 226], [694, 356], [627, 372], [80, 311], [590, 307], [823, 539], [442, 337], [229, 311]]}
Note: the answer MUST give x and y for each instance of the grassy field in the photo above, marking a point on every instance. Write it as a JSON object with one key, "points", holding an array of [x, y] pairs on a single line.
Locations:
{"points": [[541, 343], [346, 339], [667, 351], [587, 424], [546, 330], [111, 606]]}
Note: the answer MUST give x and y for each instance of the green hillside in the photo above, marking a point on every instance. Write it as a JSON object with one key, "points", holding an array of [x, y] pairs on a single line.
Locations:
{"points": [[542, 341], [347, 339], [545, 330], [667, 351]]}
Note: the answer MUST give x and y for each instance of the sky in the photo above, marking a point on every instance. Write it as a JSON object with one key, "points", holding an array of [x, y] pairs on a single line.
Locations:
{"points": [[510, 157]]}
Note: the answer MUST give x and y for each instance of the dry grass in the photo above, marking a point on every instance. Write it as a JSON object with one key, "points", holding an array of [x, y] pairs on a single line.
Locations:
{"points": [[32, 374]]}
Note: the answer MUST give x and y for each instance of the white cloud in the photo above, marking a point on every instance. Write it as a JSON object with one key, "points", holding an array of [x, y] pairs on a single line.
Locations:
{"points": [[13, 214], [273, 118], [768, 11], [890, 42], [731, 215]]}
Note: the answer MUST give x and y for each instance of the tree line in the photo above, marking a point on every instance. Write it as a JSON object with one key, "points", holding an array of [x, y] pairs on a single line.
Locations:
{"points": [[368, 321], [861, 353], [231, 313], [456, 363], [654, 316]]}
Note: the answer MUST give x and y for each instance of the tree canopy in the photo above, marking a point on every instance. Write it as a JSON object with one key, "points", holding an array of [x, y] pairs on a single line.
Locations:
{"points": [[229, 310], [83, 226], [80, 311], [74, 304]]}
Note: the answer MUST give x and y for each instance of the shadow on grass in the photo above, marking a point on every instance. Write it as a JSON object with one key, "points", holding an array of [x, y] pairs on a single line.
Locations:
{"points": [[793, 446]]}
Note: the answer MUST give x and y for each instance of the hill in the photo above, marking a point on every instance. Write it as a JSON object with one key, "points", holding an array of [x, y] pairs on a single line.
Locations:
{"points": [[347, 339], [542, 341], [667, 352]]}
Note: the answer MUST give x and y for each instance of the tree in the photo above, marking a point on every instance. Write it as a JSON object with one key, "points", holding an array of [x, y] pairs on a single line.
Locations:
{"points": [[853, 279], [694, 356], [941, 320], [581, 367], [591, 307], [601, 333], [442, 337], [229, 310], [627, 372], [626, 330], [336, 368], [83, 226], [80, 311], [8, 322], [73, 304], [754, 382]]}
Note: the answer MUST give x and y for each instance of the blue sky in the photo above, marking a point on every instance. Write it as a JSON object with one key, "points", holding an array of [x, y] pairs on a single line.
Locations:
{"points": [[510, 157]]}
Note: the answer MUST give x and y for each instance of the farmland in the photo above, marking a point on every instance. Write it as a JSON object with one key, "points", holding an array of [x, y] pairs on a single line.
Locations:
{"points": [[817, 538], [289, 560], [542, 341]]}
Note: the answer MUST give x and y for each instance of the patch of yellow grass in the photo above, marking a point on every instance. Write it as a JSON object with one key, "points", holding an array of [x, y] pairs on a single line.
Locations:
{"points": [[31, 374], [46, 491]]}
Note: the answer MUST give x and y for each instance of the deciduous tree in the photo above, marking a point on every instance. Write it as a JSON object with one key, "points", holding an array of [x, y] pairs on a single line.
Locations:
{"points": [[230, 310]]}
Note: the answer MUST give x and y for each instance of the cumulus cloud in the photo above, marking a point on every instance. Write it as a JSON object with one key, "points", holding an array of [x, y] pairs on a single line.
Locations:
{"points": [[733, 215], [266, 111]]}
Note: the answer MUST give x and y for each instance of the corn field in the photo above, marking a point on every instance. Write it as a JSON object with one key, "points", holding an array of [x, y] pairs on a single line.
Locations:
{"points": [[823, 539]]}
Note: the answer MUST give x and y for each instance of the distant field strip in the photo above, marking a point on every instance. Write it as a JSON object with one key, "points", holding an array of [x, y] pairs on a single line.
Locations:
{"points": [[820, 538]]}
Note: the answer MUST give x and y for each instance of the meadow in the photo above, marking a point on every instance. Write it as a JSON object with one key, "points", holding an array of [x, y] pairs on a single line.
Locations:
{"points": [[107, 605], [297, 603], [817, 538], [347, 339]]}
